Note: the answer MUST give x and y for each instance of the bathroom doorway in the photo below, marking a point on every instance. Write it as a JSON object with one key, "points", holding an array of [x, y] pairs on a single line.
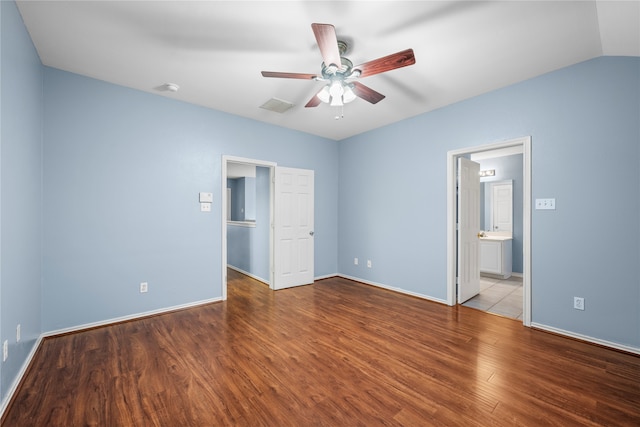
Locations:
{"points": [[522, 145]]}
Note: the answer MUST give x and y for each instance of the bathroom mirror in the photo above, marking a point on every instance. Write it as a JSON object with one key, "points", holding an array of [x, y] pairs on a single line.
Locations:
{"points": [[496, 207]]}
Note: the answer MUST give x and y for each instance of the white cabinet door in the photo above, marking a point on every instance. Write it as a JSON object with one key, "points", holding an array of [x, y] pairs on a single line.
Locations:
{"points": [[496, 257], [490, 256]]}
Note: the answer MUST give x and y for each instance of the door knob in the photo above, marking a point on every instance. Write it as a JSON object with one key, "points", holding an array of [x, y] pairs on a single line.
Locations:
{"points": [[311, 233]]}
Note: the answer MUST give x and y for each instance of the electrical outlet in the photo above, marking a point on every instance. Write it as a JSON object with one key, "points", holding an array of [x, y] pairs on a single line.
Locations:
{"points": [[355, 261], [5, 350], [18, 333], [369, 263], [578, 303], [144, 287]]}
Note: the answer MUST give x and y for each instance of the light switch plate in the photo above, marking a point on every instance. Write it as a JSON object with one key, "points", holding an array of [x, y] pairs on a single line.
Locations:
{"points": [[546, 204], [206, 197]]}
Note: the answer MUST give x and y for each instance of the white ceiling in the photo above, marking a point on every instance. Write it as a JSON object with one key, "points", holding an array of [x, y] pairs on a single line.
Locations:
{"points": [[215, 50]]}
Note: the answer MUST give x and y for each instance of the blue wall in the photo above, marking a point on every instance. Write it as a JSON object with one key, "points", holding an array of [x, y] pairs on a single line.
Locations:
{"points": [[20, 192], [235, 205], [584, 123], [249, 198], [243, 198], [122, 172]]}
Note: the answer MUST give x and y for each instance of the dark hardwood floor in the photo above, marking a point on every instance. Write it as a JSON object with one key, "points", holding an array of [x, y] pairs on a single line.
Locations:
{"points": [[335, 353]]}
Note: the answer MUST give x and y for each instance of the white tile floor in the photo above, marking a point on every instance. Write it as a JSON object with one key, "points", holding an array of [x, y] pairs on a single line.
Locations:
{"points": [[503, 297]]}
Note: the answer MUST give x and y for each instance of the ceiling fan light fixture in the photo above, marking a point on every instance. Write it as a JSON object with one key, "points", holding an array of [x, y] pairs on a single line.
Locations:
{"points": [[348, 95], [336, 101], [324, 95], [336, 89]]}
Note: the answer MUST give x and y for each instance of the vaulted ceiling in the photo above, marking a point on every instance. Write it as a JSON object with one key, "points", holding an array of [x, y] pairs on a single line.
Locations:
{"points": [[215, 50]]}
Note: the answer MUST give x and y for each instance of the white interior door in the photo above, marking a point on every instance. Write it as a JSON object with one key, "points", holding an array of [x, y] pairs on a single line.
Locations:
{"points": [[293, 227], [468, 229], [502, 201]]}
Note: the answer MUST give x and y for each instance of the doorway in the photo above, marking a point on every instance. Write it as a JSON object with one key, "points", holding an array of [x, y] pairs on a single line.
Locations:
{"points": [[524, 145], [226, 210], [290, 223]]}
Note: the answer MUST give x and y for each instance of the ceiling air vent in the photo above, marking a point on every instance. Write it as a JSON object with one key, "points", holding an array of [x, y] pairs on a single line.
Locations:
{"points": [[276, 105]]}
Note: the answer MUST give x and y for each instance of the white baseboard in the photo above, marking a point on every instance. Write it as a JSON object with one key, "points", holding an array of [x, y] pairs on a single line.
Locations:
{"points": [[260, 279], [16, 382], [605, 343], [129, 317], [394, 289], [326, 276], [246, 273]]}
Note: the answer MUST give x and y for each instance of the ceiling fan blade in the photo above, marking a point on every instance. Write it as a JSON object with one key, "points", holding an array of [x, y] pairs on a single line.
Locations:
{"points": [[313, 102], [289, 75], [367, 93], [328, 43], [387, 63]]}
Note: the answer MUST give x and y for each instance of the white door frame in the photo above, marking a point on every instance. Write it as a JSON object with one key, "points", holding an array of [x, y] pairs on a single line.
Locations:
{"points": [[223, 213], [452, 156]]}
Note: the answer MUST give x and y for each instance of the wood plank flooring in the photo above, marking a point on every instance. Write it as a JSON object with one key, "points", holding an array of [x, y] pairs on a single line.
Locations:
{"points": [[335, 353]]}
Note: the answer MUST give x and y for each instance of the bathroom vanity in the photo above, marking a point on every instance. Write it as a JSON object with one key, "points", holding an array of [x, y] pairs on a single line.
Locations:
{"points": [[495, 256]]}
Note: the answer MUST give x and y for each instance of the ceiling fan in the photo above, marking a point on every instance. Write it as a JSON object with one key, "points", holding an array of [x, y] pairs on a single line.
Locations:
{"points": [[341, 76]]}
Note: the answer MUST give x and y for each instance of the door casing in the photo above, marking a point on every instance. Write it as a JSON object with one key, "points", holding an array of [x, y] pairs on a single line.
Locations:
{"points": [[452, 156]]}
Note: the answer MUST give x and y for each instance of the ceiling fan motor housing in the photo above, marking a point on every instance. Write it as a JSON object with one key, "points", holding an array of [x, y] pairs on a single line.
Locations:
{"points": [[331, 72]]}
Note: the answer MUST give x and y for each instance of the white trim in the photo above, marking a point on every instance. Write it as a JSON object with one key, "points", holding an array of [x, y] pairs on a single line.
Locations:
{"points": [[223, 214], [526, 231], [525, 143], [325, 276], [246, 273], [21, 373], [136, 316], [394, 289], [492, 154], [250, 224], [605, 343]]}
